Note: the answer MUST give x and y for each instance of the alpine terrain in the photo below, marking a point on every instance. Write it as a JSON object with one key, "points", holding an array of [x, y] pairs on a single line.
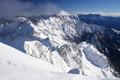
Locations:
{"points": [[60, 47]]}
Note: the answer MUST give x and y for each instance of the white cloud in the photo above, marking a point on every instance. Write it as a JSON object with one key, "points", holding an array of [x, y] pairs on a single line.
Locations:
{"points": [[18, 8]]}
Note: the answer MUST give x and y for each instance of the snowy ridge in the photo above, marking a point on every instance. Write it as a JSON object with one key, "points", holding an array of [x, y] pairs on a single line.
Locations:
{"points": [[116, 31], [95, 62]]}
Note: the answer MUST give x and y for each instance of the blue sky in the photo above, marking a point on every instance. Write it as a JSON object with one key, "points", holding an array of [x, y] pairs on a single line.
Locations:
{"points": [[47, 7], [85, 5]]}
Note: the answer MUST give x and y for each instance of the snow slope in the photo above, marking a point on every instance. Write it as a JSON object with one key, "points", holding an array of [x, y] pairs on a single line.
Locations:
{"points": [[15, 65]]}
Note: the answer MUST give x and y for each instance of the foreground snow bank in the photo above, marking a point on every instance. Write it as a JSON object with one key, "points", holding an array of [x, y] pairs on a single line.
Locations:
{"points": [[15, 65]]}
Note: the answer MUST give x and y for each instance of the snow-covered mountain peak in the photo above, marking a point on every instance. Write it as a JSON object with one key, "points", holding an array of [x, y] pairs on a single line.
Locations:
{"points": [[22, 19]]}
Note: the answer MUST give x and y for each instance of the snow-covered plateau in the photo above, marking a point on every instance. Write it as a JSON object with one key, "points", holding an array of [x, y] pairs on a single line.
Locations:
{"points": [[50, 49]]}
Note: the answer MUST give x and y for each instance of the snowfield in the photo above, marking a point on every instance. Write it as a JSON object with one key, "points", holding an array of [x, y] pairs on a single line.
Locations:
{"points": [[15, 65]]}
